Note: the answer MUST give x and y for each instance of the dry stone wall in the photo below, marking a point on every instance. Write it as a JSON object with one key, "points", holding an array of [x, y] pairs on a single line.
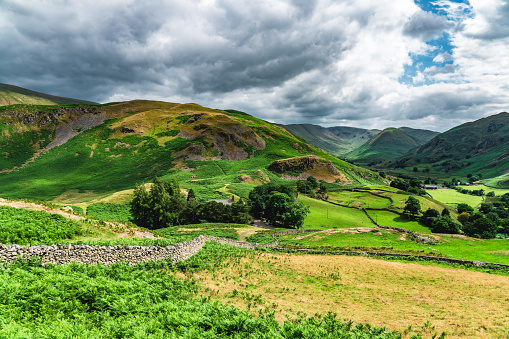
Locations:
{"points": [[87, 254], [107, 255]]}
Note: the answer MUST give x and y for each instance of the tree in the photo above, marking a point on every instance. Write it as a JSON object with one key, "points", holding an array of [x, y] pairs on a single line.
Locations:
{"points": [[258, 197], [323, 188], [412, 206], [302, 186], [485, 208], [414, 182], [191, 195], [481, 227], [490, 194], [161, 207], [312, 181], [282, 209], [465, 208], [444, 225], [140, 207], [446, 212], [429, 216], [463, 217], [400, 184]]}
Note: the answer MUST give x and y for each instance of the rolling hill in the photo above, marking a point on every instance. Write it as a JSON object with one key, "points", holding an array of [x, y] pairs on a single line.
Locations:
{"points": [[52, 151], [478, 147], [389, 144], [11, 95], [337, 141]]}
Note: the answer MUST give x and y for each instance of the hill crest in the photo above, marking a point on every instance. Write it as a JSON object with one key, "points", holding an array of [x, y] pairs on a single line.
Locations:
{"points": [[14, 95]]}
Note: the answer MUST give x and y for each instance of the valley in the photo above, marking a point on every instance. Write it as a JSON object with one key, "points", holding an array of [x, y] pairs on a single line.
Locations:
{"points": [[71, 171]]}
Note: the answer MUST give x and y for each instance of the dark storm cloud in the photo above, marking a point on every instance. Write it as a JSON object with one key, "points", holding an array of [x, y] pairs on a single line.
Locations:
{"points": [[153, 42], [317, 61]]}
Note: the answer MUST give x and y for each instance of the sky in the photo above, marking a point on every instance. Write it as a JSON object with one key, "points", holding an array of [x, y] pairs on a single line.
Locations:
{"points": [[361, 63]]}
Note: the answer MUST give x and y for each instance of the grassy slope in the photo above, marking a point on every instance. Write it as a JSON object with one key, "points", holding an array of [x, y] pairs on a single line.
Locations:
{"points": [[11, 95], [388, 144], [104, 160], [502, 181], [475, 147]]}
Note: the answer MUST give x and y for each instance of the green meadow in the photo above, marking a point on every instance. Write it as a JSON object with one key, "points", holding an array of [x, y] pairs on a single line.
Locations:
{"points": [[324, 215], [490, 250], [452, 197]]}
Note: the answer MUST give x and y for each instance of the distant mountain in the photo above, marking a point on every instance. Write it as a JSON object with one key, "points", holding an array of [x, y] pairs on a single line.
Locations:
{"points": [[478, 147], [421, 135], [337, 141], [389, 144], [12, 95]]}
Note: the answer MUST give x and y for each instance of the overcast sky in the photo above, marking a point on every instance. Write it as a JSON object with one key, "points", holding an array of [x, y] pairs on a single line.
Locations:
{"points": [[362, 63]]}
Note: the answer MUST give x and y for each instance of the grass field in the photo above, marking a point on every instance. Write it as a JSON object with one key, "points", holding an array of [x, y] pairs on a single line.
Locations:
{"points": [[386, 218], [491, 250], [358, 199], [324, 215], [453, 198], [411, 298]]}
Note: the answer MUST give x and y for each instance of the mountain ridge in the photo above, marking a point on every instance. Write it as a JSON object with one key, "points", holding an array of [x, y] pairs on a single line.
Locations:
{"points": [[476, 147], [13, 95]]}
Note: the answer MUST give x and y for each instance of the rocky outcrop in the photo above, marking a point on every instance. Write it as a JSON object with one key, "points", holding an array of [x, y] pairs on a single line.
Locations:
{"points": [[295, 164], [73, 128]]}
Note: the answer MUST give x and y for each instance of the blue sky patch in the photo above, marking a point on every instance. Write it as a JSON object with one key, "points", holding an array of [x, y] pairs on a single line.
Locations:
{"points": [[441, 50]]}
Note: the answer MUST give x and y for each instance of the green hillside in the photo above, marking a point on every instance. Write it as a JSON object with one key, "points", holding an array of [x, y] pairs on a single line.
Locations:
{"points": [[478, 147], [11, 95], [422, 135], [388, 144], [118, 145], [337, 141]]}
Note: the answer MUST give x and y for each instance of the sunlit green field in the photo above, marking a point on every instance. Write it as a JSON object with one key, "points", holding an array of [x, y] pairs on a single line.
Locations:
{"points": [[452, 197], [358, 199], [491, 250], [385, 218], [324, 215]]}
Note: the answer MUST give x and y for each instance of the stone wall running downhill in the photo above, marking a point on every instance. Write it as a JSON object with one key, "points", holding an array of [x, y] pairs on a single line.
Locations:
{"points": [[107, 255]]}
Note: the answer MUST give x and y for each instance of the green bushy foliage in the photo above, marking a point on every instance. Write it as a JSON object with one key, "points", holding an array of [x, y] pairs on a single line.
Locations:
{"points": [[260, 238], [118, 212], [20, 226]]}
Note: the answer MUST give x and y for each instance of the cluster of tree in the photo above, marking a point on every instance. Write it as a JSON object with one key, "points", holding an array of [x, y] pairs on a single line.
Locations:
{"points": [[412, 185], [276, 203], [492, 219], [310, 186], [440, 222], [479, 192], [165, 206]]}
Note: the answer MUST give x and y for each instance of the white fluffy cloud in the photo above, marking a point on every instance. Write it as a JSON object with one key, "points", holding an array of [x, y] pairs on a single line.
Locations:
{"points": [[289, 61]]}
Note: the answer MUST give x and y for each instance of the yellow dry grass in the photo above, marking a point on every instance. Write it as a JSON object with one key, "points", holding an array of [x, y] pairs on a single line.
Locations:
{"points": [[383, 293]]}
